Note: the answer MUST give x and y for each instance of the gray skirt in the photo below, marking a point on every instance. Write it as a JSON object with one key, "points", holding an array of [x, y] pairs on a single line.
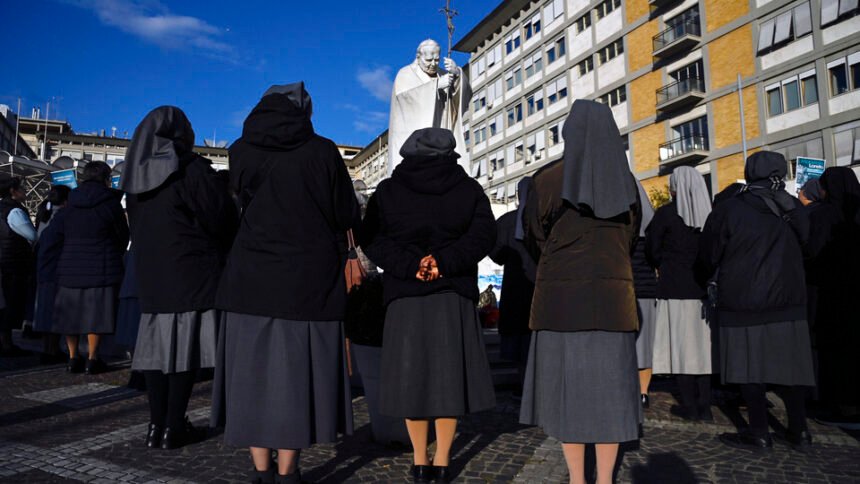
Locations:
{"points": [[645, 337], [582, 386], [776, 353], [176, 342], [434, 362], [682, 338], [87, 310], [280, 384]]}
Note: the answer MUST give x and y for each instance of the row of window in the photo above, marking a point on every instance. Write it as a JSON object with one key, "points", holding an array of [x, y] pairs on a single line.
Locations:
{"points": [[793, 24], [801, 90]]}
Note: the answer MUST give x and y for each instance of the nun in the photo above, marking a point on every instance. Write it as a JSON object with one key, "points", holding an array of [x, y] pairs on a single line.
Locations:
{"points": [[427, 227], [46, 272], [755, 240], [182, 223], [645, 286], [281, 380], [682, 339], [581, 222]]}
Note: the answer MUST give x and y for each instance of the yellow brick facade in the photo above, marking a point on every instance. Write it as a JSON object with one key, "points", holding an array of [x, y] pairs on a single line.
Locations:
{"points": [[729, 170], [731, 54], [643, 95], [721, 12], [639, 45], [646, 143], [727, 131], [636, 9], [660, 183]]}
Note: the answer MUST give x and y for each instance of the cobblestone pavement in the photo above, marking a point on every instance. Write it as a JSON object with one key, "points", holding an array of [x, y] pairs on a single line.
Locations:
{"points": [[56, 427]]}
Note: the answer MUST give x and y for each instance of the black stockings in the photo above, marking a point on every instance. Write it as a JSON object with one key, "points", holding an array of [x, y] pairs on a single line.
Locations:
{"points": [[695, 390], [795, 406], [168, 397]]}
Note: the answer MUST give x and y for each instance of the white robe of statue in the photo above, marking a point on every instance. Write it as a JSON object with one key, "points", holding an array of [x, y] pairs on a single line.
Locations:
{"points": [[419, 100]]}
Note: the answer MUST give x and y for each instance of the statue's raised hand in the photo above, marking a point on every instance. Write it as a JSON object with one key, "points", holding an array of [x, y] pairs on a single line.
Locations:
{"points": [[451, 67]]}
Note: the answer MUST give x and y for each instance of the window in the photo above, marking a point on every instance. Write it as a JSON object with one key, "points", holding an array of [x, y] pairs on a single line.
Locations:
{"points": [[513, 78], [494, 91], [555, 51], [615, 97], [534, 101], [784, 28], [553, 10], [610, 52], [586, 66], [847, 144], [535, 146], [583, 22], [532, 27], [514, 113], [793, 93], [690, 71], [844, 74], [556, 90], [497, 160], [512, 42], [494, 56], [517, 152], [833, 11], [467, 135], [555, 134], [606, 8], [481, 134], [476, 169], [696, 131], [496, 125], [480, 100], [534, 65]]}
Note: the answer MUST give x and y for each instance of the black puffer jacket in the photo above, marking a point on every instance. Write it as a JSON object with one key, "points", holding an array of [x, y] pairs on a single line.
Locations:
{"points": [[644, 277], [288, 257], [16, 255]]}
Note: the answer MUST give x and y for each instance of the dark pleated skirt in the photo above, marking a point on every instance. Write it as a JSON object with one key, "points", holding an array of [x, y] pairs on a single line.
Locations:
{"points": [[85, 310], [434, 362], [583, 386], [280, 384], [776, 353], [645, 337], [127, 321], [176, 342], [43, 319]]}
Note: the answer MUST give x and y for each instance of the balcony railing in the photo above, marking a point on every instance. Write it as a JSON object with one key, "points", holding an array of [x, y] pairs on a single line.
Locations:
{"points": [[680, 89], [688, 29], [695, 146], [660, 3]]}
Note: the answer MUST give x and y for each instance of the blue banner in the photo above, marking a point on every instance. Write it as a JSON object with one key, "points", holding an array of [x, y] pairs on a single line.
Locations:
{"points": [[114, 182], [808, 169], [65, 177]]}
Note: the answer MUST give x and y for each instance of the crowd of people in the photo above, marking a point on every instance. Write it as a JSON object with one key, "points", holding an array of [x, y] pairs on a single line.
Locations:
{"points": [[246, 274]]}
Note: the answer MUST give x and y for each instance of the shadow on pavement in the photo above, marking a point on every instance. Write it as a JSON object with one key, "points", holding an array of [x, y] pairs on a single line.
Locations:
{"points": [[662, 468]]}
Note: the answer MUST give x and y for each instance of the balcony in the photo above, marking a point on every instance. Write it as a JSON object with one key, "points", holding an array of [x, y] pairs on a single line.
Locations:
{"points": [[679, 94], [660, 3], [681, 37], [684, 150]]}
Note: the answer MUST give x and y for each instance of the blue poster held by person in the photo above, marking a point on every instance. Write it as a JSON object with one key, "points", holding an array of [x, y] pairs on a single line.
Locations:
{"points": [[808, 169], [65, 177]]}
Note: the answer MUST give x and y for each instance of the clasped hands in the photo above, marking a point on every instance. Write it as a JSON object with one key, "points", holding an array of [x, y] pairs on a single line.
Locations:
{"points": [[428, 269]]}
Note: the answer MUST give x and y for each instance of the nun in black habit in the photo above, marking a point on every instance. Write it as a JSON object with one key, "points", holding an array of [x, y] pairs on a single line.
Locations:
{"points": [[182, 222], [581, 221], [281, 380], [427, 227], [756, 241]]}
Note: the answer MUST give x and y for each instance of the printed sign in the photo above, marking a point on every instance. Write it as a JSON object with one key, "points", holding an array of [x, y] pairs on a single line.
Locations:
{"points": [[65, 177], [114, 182], [808, 169]]}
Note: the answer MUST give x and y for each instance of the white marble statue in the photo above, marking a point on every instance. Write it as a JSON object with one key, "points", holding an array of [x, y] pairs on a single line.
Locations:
{"points": [[421, 99]]}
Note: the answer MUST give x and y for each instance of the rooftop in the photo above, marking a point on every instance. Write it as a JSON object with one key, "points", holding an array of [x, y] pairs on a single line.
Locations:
{"points": [[490, 24]]}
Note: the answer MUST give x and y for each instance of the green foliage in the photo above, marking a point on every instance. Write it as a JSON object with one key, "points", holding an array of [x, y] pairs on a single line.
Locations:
{"points": [[659, 197]]}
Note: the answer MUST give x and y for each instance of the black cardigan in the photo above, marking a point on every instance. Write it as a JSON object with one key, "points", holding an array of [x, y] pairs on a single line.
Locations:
{"points": [[428, 207], [671, 248], [644, 277], [181, 233]]}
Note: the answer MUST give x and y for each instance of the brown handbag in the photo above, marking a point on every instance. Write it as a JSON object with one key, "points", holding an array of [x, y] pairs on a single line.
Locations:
{"points": [[354, 270]]}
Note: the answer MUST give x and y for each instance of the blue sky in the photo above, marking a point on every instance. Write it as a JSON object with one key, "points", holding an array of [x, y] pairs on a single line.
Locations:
{"points": [[106, 63]]}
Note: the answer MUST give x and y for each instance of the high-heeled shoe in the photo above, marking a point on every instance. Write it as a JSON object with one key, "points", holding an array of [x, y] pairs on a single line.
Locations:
{"points": [[646, 401], [153, 436], [294, 478], [176, 438], [422, 473], [443, 474]]}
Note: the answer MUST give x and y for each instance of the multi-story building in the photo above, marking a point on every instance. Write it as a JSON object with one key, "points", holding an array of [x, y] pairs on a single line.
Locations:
{"points": [[10, 141], [370, 164], [695, 82]]}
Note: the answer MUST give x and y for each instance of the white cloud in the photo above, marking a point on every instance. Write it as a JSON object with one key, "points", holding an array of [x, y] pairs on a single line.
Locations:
{"points": [[372, 122], [152, 22], [377, 81]]}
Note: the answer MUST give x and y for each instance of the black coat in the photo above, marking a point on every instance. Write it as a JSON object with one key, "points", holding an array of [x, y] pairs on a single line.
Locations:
{"points": [[48, 252], [644, 277], [94, 235], [518, 284], [671, 248], [181, 233], [288, 258], [428, 207], [760, 261], [16, 254]]}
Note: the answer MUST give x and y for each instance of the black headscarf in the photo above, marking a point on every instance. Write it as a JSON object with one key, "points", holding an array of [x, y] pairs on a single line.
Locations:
{"points": [[281, 121], [160, 143], [429, 162], [812, 190], [728, 192], [596, 173], [522, 196], [842, 190], [765, 174]]}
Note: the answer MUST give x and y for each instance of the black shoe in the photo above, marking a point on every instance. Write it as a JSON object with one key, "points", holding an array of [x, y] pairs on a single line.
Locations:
{"points": [[705, 414], [15, 352], [443, 473], [746, 440], [686, 413], [801, 441], [153, 436], [176, 438], [95, 366], [263, 477], [646, 402], [422, 473], [294, 478], [76, 365]]}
